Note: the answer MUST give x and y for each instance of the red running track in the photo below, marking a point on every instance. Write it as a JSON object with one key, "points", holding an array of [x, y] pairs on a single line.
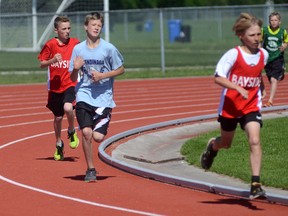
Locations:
{"points": [[32, 183]]}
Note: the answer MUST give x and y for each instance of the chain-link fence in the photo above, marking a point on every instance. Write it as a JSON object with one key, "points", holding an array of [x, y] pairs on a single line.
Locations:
{"points": [[149, 38]]}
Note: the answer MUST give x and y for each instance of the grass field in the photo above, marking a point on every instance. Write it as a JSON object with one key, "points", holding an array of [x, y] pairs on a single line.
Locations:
{"points": [[135, 56], [235, 161]]}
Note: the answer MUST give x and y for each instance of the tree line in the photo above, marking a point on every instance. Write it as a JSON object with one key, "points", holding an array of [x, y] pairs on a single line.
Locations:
{"points": [[141, 4]]}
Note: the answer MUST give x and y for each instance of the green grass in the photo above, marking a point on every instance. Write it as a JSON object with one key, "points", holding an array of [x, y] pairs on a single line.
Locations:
{"points": [[235, 161], [19, 61]]}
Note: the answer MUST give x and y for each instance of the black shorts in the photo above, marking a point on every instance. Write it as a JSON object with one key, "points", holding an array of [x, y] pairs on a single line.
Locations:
{"points": [[275, 69], [230, 124], [97, 118], [56, 100]]}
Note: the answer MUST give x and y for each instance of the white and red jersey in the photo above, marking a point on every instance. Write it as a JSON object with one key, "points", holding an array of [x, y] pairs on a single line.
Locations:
{"points": [[58, 75], [244, 70]]}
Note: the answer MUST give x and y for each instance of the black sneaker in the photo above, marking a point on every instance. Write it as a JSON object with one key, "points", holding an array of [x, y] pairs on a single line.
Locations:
{"points": [[59, 153], [208, 156], [256, 191], [90, 175]]}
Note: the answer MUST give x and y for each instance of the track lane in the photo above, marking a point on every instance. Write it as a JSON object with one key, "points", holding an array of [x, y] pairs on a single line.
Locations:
{"points": [[32, 163]]}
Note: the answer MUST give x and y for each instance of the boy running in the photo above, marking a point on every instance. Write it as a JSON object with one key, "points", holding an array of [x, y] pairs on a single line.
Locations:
{"points": [[99, 62], [55, 55], [275, 41], [239, 72]]}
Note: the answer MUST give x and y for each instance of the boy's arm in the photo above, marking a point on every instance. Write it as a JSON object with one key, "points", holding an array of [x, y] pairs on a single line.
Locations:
{"points": [[224, 82], [99, 76], [46, 63], [78, 62], [285, 42], [262, 88]]}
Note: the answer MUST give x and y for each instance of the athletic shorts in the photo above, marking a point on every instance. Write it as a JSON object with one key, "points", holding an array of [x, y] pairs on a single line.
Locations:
{"points": [[275, 69], [97, 118], [56, 100], [230, 124]]}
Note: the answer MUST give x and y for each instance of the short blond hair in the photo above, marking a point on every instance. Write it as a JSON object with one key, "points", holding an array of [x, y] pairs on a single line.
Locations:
{"points": [[277, 14], [94, 16], [245, 21]]}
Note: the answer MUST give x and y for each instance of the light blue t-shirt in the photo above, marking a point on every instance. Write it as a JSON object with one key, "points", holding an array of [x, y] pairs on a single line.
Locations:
{"points": [[104, 58]]}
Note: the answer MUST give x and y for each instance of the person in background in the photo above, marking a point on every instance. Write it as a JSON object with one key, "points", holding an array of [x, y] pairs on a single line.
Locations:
{"points": [[239, 72], [275, 41], [98, 62], [55, 55]]}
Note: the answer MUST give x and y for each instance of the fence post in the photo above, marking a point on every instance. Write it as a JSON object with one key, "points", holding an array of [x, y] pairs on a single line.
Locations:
{"points": [[162, 43], [34, 24]]}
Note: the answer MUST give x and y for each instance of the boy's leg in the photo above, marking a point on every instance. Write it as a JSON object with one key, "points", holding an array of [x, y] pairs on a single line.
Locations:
{"points": [[273, 89], [215, 144], [90, 175], [228, 127], [72, 134], [253, 133], [68, 100], [87, 146], [275, 73], [68, 109], [59, 152], [54, 104], [57, 127]]}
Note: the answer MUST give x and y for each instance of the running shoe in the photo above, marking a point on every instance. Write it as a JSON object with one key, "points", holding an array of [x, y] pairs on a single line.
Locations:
{"points": [[74, 141], [90, 175], [207, 157], [256, 191], [59, 153]]}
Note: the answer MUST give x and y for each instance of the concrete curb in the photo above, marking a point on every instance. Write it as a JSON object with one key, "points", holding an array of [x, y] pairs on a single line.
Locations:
{"points": [[162, 173]]}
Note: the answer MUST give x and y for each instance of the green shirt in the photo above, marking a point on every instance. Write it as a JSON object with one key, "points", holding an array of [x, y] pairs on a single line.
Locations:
{"points": [[272, 40]]}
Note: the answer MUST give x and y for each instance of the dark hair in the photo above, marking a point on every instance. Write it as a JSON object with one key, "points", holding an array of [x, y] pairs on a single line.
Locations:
{"points": [[60, 19]]}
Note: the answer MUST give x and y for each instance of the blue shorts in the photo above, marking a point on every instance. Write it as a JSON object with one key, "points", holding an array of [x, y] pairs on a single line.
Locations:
{"points": [[97, 118], [230, 124]]}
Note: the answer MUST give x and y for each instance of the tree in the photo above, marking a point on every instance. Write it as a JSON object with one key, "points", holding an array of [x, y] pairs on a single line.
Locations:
{"points": [[139, 4]]}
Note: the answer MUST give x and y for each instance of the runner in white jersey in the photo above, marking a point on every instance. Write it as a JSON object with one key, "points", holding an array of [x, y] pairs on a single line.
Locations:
{"points": [[250, 81], [239, 72], [97, 62]]}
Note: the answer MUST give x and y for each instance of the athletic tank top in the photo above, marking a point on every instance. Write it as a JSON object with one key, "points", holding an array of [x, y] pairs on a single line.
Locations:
{"points": [[249, 77]]}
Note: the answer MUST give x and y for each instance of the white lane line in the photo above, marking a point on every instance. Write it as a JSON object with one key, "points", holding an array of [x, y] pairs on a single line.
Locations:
{"points": [[64, 196], [26, 114], [118, 121], [121, 112], [26, 123]]}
